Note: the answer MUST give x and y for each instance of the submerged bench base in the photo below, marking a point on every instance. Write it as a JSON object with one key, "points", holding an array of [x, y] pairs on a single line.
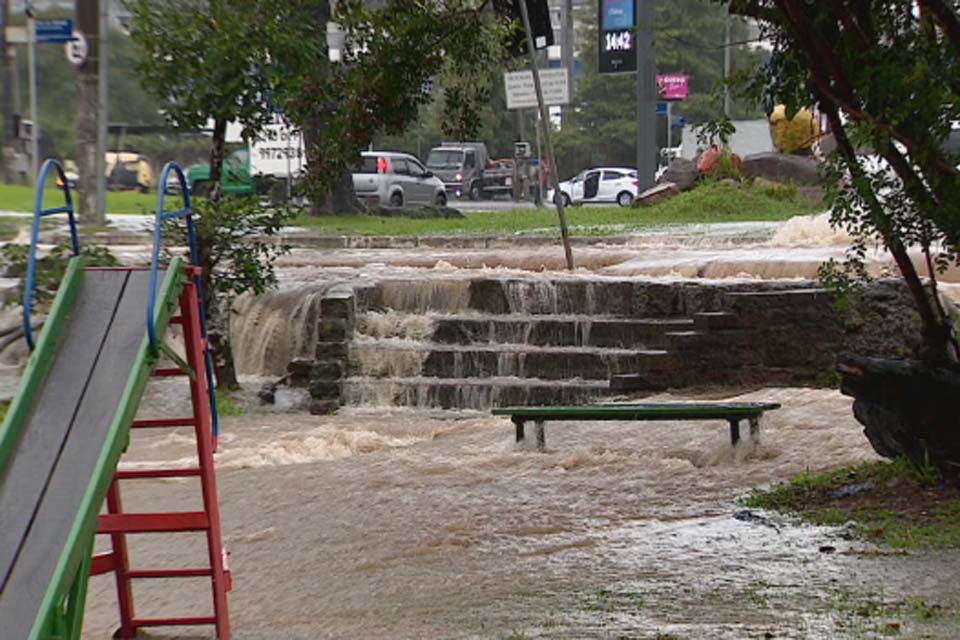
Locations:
{"points": [[733, 413]]}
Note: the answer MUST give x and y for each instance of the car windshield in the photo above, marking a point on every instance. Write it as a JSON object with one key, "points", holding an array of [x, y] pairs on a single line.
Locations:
{"points": [[445, 159]]}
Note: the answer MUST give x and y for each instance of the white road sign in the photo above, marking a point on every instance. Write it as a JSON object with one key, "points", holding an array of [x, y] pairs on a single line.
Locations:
{"points": [[77, 49], [522, 95]]}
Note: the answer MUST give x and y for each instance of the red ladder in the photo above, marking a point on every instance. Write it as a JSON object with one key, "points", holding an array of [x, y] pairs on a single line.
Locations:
{"points": [[117, 524]]}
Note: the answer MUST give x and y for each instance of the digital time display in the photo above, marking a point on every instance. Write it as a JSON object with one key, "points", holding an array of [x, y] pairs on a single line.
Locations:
{"points": [[618, 41]]}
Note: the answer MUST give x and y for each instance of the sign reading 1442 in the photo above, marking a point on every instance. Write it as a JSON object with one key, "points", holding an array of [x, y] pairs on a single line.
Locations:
{"points": [[618, 47]]}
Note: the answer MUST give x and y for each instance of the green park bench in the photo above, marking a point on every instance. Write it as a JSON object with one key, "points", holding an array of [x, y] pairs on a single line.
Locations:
{"points": [[733, 412]]}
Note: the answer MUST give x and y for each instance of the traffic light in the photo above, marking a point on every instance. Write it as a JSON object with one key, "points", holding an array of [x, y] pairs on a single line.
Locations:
{"points": [[540, 27]]}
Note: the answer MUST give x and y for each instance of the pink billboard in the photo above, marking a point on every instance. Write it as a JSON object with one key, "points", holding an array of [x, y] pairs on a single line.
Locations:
{"points": [[672, 86]]}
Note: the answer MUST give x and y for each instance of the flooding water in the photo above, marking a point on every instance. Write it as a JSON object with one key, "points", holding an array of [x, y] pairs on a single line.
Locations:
{"points": [[431, 524], [401, 523]]}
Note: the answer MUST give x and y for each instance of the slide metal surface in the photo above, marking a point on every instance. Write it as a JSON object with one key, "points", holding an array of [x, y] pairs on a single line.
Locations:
{"points": [[63, 436]]}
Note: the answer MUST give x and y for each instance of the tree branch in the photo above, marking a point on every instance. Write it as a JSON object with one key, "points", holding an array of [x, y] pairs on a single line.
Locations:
{"points": [[946, 19]]}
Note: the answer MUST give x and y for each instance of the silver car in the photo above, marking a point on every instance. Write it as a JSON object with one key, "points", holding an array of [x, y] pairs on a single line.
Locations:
{"points": [[397, 180]]}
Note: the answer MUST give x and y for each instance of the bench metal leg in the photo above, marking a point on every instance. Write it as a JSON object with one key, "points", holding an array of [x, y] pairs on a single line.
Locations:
{"points": [[518, 423], [755, 429], [734, 431], [541, 435]]}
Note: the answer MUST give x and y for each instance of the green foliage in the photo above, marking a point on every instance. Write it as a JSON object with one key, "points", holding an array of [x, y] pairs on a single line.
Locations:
{"points": [[885, 76], [57, 92], [49, 268], [601, 125], [227, 406], [237, 253], [391, 53], [807, 495]]}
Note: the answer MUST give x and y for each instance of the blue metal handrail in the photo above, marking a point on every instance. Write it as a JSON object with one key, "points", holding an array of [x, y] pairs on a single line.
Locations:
{"points": [[161, 217], [38, 213]]}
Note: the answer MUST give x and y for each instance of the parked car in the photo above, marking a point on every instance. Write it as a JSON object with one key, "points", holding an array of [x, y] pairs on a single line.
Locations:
{"points": [[600, 184], [396, 179]]}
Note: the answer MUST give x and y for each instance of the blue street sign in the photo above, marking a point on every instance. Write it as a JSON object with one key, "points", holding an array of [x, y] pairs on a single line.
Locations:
{"points": [[679, 122], [661, 108], [54, 30]]}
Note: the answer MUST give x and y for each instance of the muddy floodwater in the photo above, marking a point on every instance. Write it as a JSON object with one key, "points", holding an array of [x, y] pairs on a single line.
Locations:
{"points": [[394, 523]]}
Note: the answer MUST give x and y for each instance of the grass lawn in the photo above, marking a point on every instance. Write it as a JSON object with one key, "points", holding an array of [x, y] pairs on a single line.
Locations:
{"points": [[19, 198], [711, 202], [892, 503]]}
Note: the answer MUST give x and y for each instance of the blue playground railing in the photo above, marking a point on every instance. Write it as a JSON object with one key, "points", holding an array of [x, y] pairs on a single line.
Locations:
{"points": [[161, 217], [38, 213]]}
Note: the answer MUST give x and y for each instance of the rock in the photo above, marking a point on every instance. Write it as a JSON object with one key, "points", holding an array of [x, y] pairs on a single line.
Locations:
{"points": [[851, 490], [778, 167], [681, 172], [659, 193], [745, 515], [906, 409], [267, 392]]}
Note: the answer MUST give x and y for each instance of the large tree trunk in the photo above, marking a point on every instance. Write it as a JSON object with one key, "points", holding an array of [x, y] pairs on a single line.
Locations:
{"points": [[87, 23], [341, 198], [218, 318]]}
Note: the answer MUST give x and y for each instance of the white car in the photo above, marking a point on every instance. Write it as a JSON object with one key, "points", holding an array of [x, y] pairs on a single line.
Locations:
{"points": [[396, 179], [601, 184]]}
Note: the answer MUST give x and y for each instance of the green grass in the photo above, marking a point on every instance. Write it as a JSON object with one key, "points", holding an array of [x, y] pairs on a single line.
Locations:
{"points": [[881, 515], [20, 198], [711, 202], [227, 406]]}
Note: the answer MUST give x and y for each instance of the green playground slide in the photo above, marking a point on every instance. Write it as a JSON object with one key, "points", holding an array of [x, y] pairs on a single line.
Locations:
{"points": [[62, 439]]}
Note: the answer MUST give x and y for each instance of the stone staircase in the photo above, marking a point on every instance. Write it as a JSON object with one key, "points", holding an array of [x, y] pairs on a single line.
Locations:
{"points": [[489, 342]]}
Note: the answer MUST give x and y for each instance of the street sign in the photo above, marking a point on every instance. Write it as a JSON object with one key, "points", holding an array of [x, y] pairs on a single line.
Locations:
{"points": [[661, 108], [77, 50], [672, 86], [54, 30], [618, 37], [521, 93]]}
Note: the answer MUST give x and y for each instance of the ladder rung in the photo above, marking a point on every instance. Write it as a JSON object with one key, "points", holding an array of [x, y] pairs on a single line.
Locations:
{"points": [[170, 573], [103, 563], [133, 474], [153, 522], [172, 622], [164, 422], [168, 373], [176, 320]]}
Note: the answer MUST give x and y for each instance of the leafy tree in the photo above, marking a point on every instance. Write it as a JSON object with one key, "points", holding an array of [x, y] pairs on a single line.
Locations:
{"points": [[886, 75], [225, 61], [391, 53]]}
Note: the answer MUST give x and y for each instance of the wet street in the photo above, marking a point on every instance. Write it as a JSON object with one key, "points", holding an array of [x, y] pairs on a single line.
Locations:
{"points": [[396, 523]]}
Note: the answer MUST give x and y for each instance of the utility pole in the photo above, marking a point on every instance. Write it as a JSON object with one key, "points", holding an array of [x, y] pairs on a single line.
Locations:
{"points": [[6, 86], [545, 123], [103, 68], [566, 51], [32, 80], [646, 96], [727, 98], [88, 24]]}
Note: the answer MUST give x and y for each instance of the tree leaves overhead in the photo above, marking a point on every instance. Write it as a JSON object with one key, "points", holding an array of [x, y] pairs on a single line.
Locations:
{"points": [[391, 55], [886, 75]]}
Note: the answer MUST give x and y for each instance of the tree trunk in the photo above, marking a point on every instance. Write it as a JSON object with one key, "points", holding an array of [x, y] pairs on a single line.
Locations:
{"points": [[218, 319], [87, 23], [217, 146]]}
